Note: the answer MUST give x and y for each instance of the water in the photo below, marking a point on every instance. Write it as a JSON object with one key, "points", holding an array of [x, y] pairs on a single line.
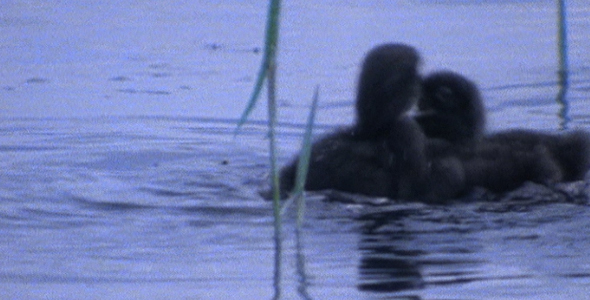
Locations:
{"points": [[121, 177]]}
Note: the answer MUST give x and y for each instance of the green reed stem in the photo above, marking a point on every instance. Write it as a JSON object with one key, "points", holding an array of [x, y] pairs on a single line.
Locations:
{"points": [[562, 42], [269, 57], [303, 163], [269, 63], [268, 71], [272, 121], [563, 71], [302, 277]]}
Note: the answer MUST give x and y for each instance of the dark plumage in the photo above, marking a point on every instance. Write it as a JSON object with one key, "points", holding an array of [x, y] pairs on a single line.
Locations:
{"points": [[505, 160], [500, 166], [388, 86], [570, 151], [383, 153], [343, 161], [451, 108], [452, 116]]}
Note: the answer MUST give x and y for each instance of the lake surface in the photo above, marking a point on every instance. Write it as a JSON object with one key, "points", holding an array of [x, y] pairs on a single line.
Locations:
{"points": [[121, 177]]}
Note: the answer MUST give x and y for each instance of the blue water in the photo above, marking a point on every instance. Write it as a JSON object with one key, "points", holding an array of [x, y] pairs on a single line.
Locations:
{"points": [[121, 178]]}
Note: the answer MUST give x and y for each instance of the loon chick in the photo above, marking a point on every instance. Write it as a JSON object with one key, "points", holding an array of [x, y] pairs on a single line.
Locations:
{"points": [[451, 108], [383, 153], [452, 115]]}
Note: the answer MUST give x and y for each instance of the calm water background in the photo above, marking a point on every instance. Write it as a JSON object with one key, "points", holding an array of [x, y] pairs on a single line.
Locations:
{"points": [[121, 177]]}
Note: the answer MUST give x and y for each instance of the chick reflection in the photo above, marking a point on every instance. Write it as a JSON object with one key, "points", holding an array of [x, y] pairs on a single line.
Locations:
{"points": [[384, 267]]}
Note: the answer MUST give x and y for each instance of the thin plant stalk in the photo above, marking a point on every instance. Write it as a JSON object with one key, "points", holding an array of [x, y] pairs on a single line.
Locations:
{"points": [[303, 164], [269, 57], [563, 80], [272, 120], [269, 63], [268, 71], [297, 194], [277, 260], [302, 278], [562, 42]]}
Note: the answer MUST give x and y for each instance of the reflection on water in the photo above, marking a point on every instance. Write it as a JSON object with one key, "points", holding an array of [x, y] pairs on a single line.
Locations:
{"points": [[164, 208], [385, 267], [423, 252]]}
